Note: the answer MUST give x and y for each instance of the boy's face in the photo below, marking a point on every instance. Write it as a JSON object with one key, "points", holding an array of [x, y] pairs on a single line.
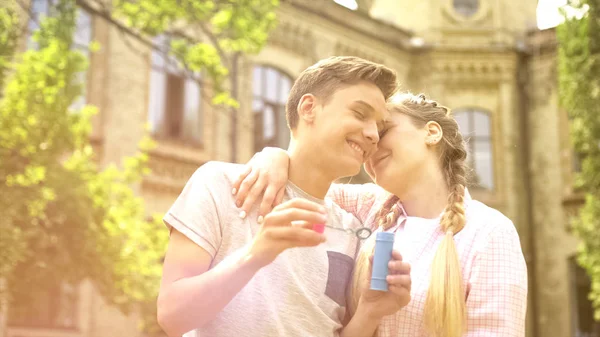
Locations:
{"points": [[344, 132]]}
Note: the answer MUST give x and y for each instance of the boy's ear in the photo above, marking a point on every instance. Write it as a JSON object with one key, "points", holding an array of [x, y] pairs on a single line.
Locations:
{"points": [[307, 108]]}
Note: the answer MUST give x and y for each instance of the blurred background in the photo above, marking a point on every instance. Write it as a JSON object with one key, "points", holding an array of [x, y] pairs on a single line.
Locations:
{"points": [[108, 106]]}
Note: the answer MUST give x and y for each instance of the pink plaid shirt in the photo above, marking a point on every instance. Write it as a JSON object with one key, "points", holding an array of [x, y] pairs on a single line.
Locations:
{"points": [[492, 264]]}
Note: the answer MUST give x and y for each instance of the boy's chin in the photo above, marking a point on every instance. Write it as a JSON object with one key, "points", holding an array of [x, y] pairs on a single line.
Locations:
{"points": [[351, 172]]}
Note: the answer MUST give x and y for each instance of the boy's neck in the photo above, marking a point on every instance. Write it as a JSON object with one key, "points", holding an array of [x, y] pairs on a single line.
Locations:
{"points": [[308, 173]]}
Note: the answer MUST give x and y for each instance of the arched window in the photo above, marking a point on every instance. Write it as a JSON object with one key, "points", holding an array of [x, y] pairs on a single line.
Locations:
{"points": [[475, 127], [270, 92], [175, 100]]}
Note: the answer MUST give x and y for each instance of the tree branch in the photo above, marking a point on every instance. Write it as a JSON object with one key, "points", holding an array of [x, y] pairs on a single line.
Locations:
{"points": [[27, 9], [99, 9], [226, 62], [126, 32]]}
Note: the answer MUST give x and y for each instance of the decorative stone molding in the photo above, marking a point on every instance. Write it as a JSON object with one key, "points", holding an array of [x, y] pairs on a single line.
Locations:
{"points": [[357, 22], [346, 50], [170, 170], [293, 37], [472, 69], [37, 332]]}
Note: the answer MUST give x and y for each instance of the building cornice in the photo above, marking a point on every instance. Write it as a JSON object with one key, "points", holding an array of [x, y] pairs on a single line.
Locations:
{"points": [[356, 21]]}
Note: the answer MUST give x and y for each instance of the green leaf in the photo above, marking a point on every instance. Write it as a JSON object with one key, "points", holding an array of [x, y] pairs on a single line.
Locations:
{"points": [[579, 84], [54, 196]]}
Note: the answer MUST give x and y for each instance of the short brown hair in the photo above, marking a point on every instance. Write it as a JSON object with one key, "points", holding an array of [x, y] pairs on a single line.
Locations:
{"points": [[327, 76]]}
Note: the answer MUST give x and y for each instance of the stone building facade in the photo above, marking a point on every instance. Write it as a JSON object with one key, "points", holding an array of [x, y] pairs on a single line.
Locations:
{"points": [[485, 59]]}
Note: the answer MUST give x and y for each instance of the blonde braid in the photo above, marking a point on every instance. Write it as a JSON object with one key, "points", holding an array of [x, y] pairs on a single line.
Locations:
{"points": [[389, 212], [445, 307], [387, 217]]}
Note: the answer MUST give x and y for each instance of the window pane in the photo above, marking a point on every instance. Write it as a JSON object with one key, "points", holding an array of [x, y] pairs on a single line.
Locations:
{"points": [[257, 81], [284, 89], [257, 106], [482, 124], [268, 123], [469, 159], [170, 61], [174, 105], [273, 83], [158, 59], [270, 90], [483, 163], [156, 105], [38, 7], [466, 7], [192, 114], [80, 101], [83, 31], [475, 127], [39, 10], [462, 118]]}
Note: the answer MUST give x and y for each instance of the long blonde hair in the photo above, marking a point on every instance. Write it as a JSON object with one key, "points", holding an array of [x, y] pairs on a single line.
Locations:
{"points": [[445, 309]]}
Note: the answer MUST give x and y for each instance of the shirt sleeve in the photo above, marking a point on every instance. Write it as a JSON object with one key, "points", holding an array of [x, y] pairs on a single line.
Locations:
{"points": [[195, 214], [359, 200], [497, 287]]}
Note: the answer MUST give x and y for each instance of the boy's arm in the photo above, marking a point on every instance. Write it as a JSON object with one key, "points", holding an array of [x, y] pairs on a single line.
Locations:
{"points": [[191, 292], [189, 295]]}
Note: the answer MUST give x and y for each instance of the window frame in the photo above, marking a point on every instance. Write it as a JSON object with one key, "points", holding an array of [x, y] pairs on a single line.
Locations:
{"points": [[164, 69], [277, 104], [472, 137]]}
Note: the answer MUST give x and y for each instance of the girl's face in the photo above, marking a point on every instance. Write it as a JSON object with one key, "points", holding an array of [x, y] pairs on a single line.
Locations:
{"points": [[402, 153]]}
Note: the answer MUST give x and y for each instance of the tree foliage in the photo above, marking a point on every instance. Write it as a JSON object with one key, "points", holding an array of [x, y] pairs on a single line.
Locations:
{"points": [[65, 219], [579, 78]]}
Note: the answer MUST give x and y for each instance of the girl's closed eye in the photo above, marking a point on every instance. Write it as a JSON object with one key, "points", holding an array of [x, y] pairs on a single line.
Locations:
{"points": [[382, 132]]}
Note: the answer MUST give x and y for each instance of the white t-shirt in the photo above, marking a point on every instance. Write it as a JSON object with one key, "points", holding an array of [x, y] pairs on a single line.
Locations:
{"points": [[302, 293]]}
